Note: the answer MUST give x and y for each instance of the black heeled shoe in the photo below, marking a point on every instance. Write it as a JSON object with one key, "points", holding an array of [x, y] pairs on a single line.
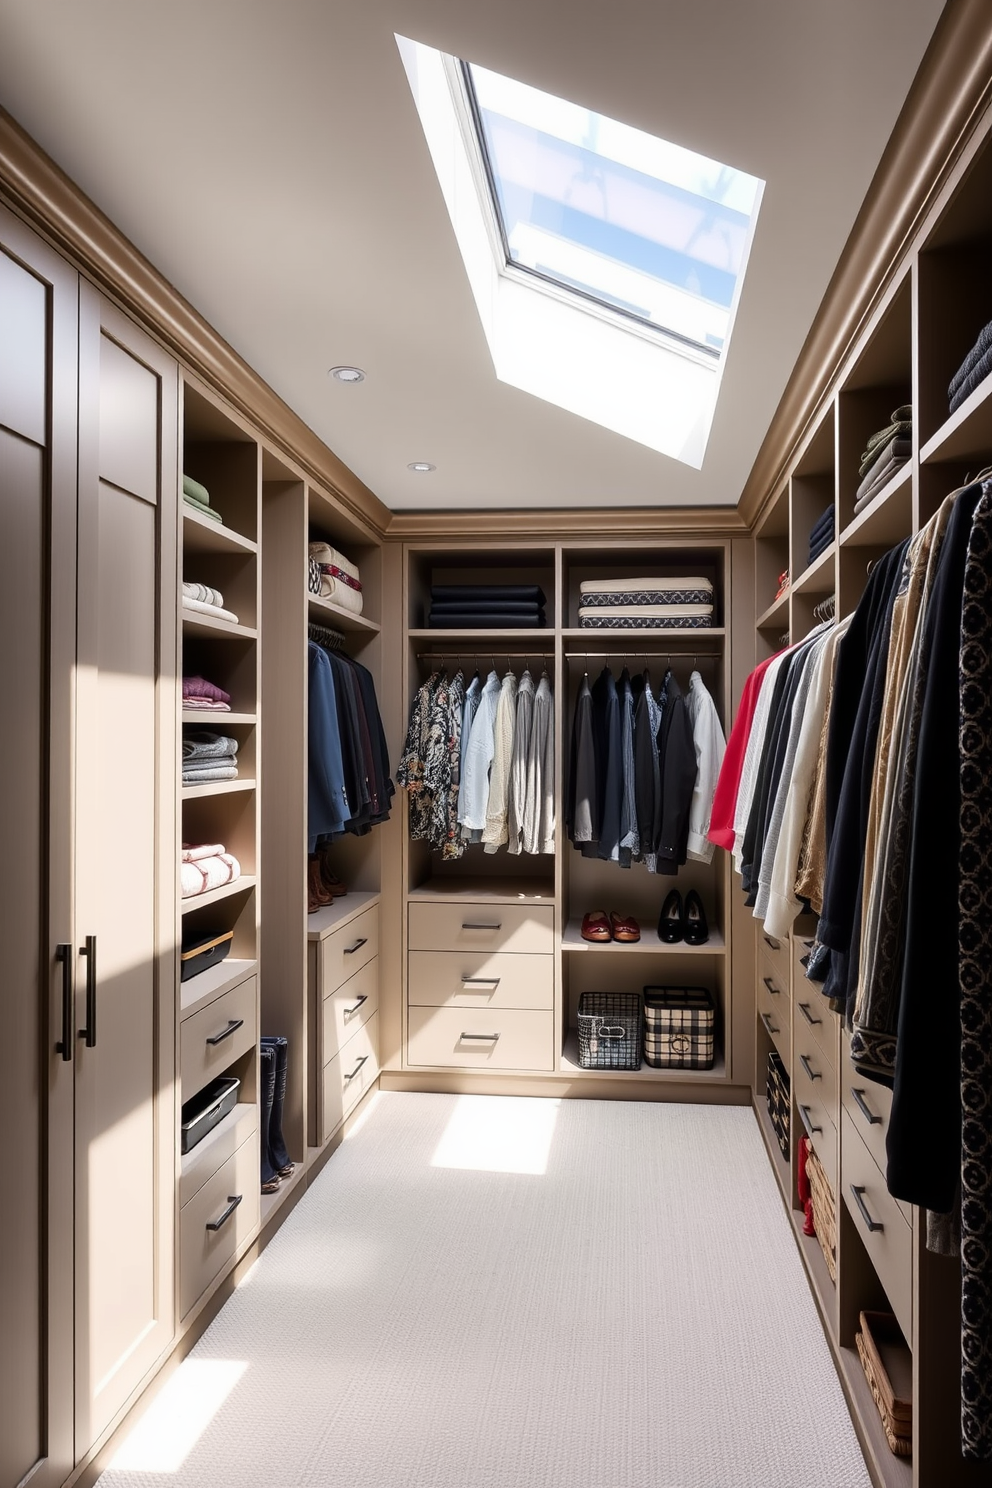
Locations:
{"points": [[670, 922], [695, 930]]}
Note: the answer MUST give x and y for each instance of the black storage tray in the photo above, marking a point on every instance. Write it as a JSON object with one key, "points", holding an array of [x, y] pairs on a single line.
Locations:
{"points": [[206, 951], [202, 1111]]}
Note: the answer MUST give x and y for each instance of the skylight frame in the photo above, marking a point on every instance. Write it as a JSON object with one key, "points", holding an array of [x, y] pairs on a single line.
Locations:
{"points": [[469, 114]]}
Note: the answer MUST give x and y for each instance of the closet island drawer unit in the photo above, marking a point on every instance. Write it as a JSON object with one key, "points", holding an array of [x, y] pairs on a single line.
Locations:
{"points": [[216, 1221], [344, 1010], [344, 1003], [482, 927], [344, 951], [476, 979], [348, 1075], [481, 1038], [879, 1222], [211, 1039]]}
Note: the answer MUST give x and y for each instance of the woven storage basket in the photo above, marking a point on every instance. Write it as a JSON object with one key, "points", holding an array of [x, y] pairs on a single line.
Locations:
{"points": [[679, 1027], [610, 1030], [884, 1354], [824, 1212], [777, 1096]]}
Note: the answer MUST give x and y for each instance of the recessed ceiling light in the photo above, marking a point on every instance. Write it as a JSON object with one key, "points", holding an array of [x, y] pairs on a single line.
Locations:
{"points": [[347, 374], [421, 466]]}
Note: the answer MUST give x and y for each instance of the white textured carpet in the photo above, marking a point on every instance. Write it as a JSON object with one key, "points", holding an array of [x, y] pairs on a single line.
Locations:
{"points": [[491, 1293]]}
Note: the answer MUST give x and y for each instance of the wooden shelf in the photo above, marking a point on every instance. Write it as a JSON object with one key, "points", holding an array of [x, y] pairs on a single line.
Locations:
{"points": [[201, 535], [215, 788], [888, 518], [893, 1471], [819, 577], [200, 901], [646, 1075], [487, 890], [324, 612], [200, 717], [269, 1203], [196, 623], [208, 985], [333, 916], [544, 634], [776, 612], [649, 944], [967, 433], [824, 1287], [625, 637]]}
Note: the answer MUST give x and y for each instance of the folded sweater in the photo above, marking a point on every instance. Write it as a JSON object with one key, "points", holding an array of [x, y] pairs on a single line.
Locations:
{"points": [[210, 770], [199, 687], [483, 593], [203, 509], [967, 367], [201, 744], [194, 490], [199, 607]]}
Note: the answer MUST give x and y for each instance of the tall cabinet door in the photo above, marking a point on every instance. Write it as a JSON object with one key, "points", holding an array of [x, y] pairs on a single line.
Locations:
{"points": [[126, 867], [38, 316]]}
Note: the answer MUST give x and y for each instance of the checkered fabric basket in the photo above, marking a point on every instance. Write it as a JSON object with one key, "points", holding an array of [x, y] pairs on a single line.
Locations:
{"points": [[610, 1030], [679, 1028], [777, 1096]]}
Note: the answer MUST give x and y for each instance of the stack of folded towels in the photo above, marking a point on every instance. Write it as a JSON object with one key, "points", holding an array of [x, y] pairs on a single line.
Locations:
{"points": [[202, 696], [338, 578], [887, 451], [486, 606], [197, 497], [208, 756], [822, 534], [646, 604], [206, 867], [974, 369], [206, 601]]}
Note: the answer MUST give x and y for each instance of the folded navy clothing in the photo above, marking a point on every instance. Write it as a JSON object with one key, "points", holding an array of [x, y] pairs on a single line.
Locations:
{"points": [[978, 374], [462, 607], [820, 546], [971, 361], [491, 620], [519, 593], [823, 524]]}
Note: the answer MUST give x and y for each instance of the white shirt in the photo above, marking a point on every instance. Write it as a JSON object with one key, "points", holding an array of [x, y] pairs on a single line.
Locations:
{"points": [[711, 746]]}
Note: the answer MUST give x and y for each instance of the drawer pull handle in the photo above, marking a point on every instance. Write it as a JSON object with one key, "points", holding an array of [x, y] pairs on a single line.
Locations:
{"points": [[864, 1108], [804, 1009], [350, 1012], [484, 1038], [350, 950], [232, 1027], [872, 1225], [476, 925], [233, 1200], [349, 1077], [492, 982], [769, 1026], [63, 953], [811, 1073], [88, 1034], [775, 991], [807, 1122]]}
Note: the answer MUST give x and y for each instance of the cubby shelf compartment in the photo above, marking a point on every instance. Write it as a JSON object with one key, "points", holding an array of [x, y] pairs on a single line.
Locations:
{"points": [[212, 720], [488, 891], [572, 941], [240, 885], [216, 788], [333, 916], [893, 1471], [646, 1075], [244, 1116], [777, 611], [967, 434], [201, 535], [325, 612], [196, 623], [888, 518], [208, 985], [269, 1203], [818, 577]]}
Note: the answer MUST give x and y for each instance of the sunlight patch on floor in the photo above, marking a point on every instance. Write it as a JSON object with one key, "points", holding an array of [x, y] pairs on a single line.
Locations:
{"points": [[512, 1134], [178, 1416]]}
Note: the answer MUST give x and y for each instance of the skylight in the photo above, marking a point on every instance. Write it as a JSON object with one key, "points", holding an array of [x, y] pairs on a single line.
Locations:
{"points": [[634, 223]]}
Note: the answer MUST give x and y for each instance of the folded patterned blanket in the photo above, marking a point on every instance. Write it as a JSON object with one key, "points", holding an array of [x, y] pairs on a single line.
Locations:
{"points": [[205, 874], [199, 687], [219, 769], [674, 584], [329, 557], [625, 620], [624, 598], [215, 611], [203, 745], [195, 491]]}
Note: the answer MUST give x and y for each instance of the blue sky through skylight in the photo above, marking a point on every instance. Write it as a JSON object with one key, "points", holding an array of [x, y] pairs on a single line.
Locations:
{"points": [[641, 225]]}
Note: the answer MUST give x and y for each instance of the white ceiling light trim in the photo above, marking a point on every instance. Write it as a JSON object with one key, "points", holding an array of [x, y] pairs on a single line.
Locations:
{"points": [[540, 339]]}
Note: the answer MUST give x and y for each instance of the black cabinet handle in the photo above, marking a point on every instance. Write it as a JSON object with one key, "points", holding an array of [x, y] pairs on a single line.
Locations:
{"points": [[89, 1032], [483, 1038], [871, 1224], [350, 950], [233, 1025], [804, 1009], [807, 1122], [775, 991], [63, 953], [233, 1200], [472, 925], [354, 1072], [492, 982], [769, 1027], [350, 1012], [811, 1073], [864, 1108]]}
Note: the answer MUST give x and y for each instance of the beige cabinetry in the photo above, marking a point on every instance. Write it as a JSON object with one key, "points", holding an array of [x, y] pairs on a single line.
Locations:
{"points": [[344, 1006]]}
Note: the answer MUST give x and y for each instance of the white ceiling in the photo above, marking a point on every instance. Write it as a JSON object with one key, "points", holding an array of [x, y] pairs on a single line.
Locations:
{"points": [[268, 159]]}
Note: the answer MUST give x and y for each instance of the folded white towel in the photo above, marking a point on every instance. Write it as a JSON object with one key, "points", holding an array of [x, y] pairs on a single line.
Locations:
{"points": [[192, 853], [201, 608], [341, 594], [621, 586], [208, 873], [324, 553], [204, 593]]}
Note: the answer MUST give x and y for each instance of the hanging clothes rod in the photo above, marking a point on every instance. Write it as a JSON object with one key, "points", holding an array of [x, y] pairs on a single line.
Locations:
{"points": [[481, 655], [644, 655], [331, 640]]}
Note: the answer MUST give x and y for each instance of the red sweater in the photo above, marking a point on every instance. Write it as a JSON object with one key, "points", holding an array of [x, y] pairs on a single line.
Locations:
{"points": [[725, 797]]}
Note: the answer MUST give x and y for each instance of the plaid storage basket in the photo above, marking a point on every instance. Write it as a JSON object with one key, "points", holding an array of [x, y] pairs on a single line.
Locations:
{"points": [[610, 1030], [679, 1028], [777, 1096]]}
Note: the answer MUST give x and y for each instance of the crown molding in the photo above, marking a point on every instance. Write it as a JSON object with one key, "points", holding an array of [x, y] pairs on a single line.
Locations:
{"points": [[569, 525], [949, 95], [34, 186]]}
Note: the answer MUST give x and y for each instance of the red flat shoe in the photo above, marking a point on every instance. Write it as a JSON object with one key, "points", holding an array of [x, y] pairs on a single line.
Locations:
{"points": [[596, 927], [625, 928]]}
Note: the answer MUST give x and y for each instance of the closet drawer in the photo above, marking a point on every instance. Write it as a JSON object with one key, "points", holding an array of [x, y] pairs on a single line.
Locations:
{"points": [[773, 1010], [212, 1039], [813, 1077], [481, 1038], [879, 1222], [822, 1132], [482, 927], [345, 951], [346, 1009], [868, 1105], [348, 1075], [815, 1020], [777, 954], [205, 1252], [471, 979]]}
